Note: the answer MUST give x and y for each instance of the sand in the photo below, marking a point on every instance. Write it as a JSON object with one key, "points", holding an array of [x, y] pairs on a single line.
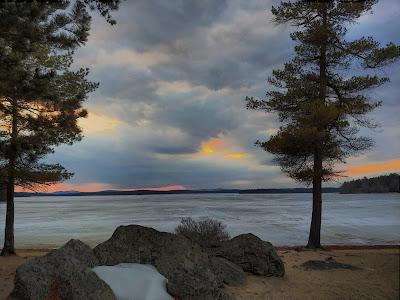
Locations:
{"points": [[377, 278]]}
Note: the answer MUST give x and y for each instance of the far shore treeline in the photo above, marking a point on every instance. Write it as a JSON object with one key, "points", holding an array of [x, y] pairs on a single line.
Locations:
{"points": [[180, 192], [381, 184]]}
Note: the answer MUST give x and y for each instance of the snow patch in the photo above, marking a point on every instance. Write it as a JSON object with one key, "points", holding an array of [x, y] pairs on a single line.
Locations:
{"points": [[134, 281]]}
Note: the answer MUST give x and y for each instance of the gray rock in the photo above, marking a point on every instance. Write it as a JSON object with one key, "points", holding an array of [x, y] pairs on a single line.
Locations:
{"points": [[62, 274], [192, 273], [230, 273], [186, 266], [328, 264], [252, 254]]}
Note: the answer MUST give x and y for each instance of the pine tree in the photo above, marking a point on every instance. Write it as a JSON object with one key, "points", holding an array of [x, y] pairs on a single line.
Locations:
{"points": [[320, 106], [40, 96]]}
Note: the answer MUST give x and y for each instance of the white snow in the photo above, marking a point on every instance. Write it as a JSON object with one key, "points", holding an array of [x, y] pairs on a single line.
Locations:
{"points": [[134, 281]]}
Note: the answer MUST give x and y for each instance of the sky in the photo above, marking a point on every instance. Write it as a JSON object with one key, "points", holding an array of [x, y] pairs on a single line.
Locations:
{"points": [[170, 113]]}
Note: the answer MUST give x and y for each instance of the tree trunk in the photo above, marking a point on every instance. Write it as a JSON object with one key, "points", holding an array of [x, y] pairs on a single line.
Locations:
{"points": [[8, 248], [314, 239]]}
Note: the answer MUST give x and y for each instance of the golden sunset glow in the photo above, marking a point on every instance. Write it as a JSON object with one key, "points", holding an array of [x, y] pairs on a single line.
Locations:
{"points": [[217, 147], [98, 123], [211, 146], [235, 155], [387, 166]]}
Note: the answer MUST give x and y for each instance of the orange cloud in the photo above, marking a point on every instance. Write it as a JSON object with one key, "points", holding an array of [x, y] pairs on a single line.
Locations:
{"points": [[216, 147], [211, 146], [387, 166], [235, 155]]}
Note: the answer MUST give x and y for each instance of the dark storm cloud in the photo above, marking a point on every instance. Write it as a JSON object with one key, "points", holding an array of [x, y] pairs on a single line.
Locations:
{"points": [[126, 83], [198, 119], [144, 23], [213, 43], [232, 53]]}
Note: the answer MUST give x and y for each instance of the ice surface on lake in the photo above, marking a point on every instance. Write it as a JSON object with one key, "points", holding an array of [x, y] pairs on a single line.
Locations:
{"points": [[134, 281], [283, 219]]}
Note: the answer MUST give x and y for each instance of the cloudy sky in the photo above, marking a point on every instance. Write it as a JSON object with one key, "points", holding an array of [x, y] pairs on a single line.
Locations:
{"points": [[170, 108]]}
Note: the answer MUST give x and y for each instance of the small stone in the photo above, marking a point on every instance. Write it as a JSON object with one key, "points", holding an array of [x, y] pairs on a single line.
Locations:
{"points": [[328, 264]]}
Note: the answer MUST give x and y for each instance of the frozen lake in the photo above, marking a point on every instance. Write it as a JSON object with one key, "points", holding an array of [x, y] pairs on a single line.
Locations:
{"points": [[282, 219]]}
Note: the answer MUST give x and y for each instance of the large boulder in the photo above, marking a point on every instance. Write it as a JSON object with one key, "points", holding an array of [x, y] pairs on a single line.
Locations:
{"points": [[230, 273], [186, 266], [252, 254], [62, 274]]}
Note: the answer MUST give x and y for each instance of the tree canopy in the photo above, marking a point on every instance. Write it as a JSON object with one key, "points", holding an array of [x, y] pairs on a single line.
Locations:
{"points": [[41, 97], [320, 105]]}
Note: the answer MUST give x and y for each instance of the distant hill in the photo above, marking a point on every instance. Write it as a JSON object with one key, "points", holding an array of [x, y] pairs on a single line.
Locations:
{"points": [[381, 184], [178, 192]]}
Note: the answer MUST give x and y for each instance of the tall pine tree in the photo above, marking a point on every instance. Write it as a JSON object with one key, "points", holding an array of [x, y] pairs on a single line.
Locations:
{"points": [[40, 96], [320, 107]]}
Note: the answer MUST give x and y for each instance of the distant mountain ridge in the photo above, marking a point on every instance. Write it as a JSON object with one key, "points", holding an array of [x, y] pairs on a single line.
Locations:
{"points": [[177, 192]]}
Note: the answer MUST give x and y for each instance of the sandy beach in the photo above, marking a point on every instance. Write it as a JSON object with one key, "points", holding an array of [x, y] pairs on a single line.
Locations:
{"points": [[376, 278]]}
